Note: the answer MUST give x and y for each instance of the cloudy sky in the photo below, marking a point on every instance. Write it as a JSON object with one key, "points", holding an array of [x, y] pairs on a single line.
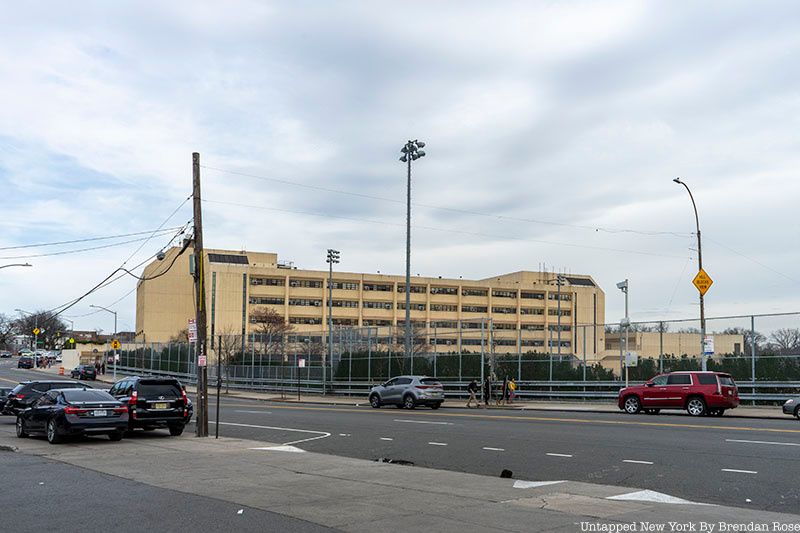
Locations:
{"points": [[554, 130]]}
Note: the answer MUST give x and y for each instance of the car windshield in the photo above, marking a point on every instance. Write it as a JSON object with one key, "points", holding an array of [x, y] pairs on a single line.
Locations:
{"points": [[17, 389], [77, 396], [727, 381], [154, 389]]}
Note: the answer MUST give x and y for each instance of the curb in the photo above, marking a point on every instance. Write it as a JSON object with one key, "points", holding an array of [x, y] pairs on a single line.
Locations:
{"points": [[8, 448]]}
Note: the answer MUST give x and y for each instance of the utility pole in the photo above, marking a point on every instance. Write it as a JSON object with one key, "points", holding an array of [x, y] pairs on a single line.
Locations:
{"points": [[200, 303], [333, 257]]}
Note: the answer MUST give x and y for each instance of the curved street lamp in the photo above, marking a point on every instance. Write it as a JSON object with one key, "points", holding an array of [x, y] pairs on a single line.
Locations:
{"points": [[699, 268], [17, 265], [412, 151]]}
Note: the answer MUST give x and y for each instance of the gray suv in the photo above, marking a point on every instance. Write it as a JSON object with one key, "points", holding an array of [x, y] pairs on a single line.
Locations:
{"points": [[408, 392]]}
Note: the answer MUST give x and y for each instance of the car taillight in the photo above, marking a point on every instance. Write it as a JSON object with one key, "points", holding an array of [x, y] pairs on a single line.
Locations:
{"points": [[17, 396], [74, 410], [424, 386], [120, 409]]}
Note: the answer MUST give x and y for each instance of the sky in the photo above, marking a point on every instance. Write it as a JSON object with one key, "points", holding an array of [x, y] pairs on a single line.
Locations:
{"points": [[553, 130]]}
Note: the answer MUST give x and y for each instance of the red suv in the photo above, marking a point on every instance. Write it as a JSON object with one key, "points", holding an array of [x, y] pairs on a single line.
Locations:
{"points": [[700, 393]]}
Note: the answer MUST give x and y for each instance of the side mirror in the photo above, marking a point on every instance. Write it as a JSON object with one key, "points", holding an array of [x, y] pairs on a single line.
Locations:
{"points": [[649, 384]]}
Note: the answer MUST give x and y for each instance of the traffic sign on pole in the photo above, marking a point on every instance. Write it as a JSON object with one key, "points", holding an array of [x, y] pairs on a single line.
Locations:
{"points": [[115, 344], [36, 331], [702, 281]]}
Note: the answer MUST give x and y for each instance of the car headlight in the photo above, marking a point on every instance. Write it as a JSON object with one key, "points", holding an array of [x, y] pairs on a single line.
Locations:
{"points": [[789, 402]]}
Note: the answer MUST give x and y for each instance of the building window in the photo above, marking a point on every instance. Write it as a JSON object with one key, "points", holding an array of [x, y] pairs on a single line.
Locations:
{"points": [[266, 300], [345, 285], [452, 291], [565, 296], [305, 302], [532, 295], [345, 303], [275, 282], [564, 344], [373, 322], [556, 327], [414, 306], [531, 311], [445, 342], [227, 258], [531, 327], [505, 325], [419, 289], [504, 310], [377, 305], [534, 342], [444, 307], [471, 342], [504, 294], [306, 283], [472, 325], [564, 312], [345, 322], [473, 308], [377, 287], [505, 342], [474, 292], [304, 320], [446, 324]]}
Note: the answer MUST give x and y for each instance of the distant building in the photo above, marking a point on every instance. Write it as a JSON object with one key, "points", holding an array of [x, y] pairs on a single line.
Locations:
{"points": [[675, 344]]}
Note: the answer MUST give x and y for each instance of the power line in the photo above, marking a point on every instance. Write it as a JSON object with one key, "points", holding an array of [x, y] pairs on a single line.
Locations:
{"points": [[451, 209], [80, 250], [89, 239], [759, 263], [460, 232]]}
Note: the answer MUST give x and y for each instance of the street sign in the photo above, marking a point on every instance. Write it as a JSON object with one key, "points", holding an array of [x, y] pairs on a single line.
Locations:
{"points": [[702, 281], [631, 359], [71, 340], [192, 330], [708, 345], [36, 331], [301, 363], [201, 361], [115, 344]]}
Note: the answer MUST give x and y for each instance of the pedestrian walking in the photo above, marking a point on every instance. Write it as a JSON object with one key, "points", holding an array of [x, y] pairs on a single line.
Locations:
{"points": [[512, 390], [103, 368], [472, 389], [487, 391]]}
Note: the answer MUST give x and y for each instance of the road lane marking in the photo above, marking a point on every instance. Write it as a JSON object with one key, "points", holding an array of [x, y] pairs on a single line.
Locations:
{"points": [[321, 434], [637, 462], [739, 471], [520, 484], [545, 419], [494, 449], [653, 496], [423, 422], [386, 438], [763, 442], [253, 412], [438, 443], [558, 454]]}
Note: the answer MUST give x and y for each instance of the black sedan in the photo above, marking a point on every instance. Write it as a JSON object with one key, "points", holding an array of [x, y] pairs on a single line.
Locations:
{"points": [[67, 412], [26, 393], [792, 407], [25, 361], [84, 372]]}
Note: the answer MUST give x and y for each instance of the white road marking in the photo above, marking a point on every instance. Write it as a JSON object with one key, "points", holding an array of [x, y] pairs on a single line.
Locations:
{"points": [[321, 434], [637, 462], [764, 442], [739, 471], [386, 438], [290, 449], [519, 484], [254, 412], [344, 434], [438, 443], [423, 422], [558, 455], [652, 496], [494, 449]]}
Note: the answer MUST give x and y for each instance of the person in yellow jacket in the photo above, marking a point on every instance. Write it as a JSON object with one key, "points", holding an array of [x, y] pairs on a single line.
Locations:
{"points": [[512, 390]]}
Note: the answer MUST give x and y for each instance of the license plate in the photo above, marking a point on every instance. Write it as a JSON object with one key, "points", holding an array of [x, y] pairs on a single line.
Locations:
{"points": [[100, 412], [161, 406]]}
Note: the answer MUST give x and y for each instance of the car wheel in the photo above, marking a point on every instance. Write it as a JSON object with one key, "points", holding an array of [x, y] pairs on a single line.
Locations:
{"points": [[52, 433], [408, 402], [375, 401], [116, 436], [436, 405], [21, 433], [696, 406], [632, 405], [652, 411], [797, 413], [176, 430]]}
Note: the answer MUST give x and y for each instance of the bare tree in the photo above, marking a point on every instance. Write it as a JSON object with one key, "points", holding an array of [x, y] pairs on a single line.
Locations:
{"points": [[6, 331], [51, 328], [785, 340], [228, 343], [182, 337], [272, 330]]}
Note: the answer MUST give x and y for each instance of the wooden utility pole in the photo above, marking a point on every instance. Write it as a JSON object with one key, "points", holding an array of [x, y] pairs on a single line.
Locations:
{"points": [[200, 304]]}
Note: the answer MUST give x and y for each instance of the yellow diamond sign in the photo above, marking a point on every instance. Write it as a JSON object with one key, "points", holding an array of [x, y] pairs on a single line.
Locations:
{"points": [[702, 281], [115, 344]]}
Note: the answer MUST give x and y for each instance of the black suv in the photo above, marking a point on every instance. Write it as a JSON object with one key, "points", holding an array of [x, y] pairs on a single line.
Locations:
{"points": [[84, 372], [153, 403], [23, 395]]}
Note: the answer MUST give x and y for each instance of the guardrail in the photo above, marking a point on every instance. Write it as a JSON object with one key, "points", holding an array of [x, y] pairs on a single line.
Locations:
{"points": [[773, 391]]}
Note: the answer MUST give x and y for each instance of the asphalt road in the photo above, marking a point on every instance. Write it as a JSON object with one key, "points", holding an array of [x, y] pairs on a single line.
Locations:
{"points": [[741, 462]]}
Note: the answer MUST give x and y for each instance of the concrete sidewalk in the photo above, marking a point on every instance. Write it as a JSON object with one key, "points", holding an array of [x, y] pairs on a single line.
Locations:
{"points": [[743, 411], [358, 495]]}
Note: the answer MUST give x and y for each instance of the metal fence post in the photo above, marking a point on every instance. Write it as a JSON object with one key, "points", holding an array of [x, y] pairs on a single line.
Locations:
{"points": [[459, 351], [661, 348], [753, 353], [369, 354], [584, 357], [519, 354]]}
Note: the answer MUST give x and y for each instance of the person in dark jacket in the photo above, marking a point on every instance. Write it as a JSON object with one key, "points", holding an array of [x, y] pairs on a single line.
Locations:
{"points": [[472, 389], [487, 391]]}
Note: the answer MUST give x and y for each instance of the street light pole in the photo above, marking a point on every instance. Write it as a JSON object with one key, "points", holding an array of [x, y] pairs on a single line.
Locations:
{"points": [[17, 265], [412, 151], [699, 268], [623, 286], [115, 335], [333, 257], [36, 327]]}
